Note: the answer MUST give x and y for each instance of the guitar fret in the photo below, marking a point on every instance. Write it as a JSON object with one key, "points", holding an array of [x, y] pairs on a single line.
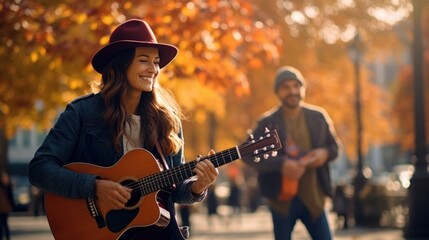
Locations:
{"points": [[158, 182], [148, 184], [168, 177], [224, 154], [229, 154], [224, 158], [141, 187]]}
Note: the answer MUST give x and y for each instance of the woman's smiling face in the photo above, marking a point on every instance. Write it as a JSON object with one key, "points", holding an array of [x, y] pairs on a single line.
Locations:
{"points": [[144, 69]]}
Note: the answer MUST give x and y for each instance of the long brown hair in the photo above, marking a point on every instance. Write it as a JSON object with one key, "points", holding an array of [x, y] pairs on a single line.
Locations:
{"points": [[160, 113]]}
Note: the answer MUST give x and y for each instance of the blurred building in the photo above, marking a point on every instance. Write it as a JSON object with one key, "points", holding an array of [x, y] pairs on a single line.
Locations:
{"points": [[384, 71], [21, 150]]}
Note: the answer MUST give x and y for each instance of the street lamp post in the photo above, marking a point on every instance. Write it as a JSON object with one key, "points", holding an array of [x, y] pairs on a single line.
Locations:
{"points": [[418, 198], [355, 52]]}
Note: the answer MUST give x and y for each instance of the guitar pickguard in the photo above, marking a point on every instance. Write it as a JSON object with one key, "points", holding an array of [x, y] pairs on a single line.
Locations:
{"points": [[118, 220]]}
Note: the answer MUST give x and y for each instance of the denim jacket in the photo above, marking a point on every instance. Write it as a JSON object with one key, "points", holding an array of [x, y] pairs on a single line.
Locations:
{"points": [[80, 135]]}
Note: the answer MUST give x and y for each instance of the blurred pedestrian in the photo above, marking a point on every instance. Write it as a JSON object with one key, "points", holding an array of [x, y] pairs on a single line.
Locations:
{"points": [[37, 201], [341, 205], [297, 181], [6, 204], [234, 197], [252, 195], [235, 180], [212, 204]]}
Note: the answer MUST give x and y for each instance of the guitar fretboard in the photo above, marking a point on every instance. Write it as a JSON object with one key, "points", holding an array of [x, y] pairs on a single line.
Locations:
{"points": [[169, 177]]}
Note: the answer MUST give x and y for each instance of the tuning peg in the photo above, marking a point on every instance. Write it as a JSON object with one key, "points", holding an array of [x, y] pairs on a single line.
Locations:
{"points": [[249, 132], [266, 156], [274, 153], [256, 152], [257, 159], [267, 130]]}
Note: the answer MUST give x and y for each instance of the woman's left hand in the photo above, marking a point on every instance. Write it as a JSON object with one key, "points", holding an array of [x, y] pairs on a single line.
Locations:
{"points": [[206, 175]]}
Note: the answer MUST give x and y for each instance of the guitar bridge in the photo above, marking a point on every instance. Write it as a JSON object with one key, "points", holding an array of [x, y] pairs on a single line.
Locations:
{"points": [[95, 213]]}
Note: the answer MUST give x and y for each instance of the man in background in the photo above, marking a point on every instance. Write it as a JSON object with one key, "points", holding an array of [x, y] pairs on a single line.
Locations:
{"points": [[297, 181]]}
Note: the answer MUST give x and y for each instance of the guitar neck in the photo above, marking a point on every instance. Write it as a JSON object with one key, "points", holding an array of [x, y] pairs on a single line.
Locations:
{"points": [[177, 174]]}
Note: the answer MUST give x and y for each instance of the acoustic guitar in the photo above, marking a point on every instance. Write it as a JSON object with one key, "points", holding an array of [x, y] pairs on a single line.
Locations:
{"points": [[138, 169]]}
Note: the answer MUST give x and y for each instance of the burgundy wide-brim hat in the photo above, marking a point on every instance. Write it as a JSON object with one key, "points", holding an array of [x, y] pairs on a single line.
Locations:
{"points": [[130, 34]]}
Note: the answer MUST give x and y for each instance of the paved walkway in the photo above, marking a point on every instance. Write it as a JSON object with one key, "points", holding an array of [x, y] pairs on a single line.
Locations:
{"points": [[249, 226], [258, 226]]}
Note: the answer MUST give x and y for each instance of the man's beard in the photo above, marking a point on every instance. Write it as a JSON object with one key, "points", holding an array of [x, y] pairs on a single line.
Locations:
{"points": [[291, 101]]}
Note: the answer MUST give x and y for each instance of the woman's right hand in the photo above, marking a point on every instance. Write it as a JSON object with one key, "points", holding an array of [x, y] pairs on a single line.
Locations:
{"points": [[112, 194]]}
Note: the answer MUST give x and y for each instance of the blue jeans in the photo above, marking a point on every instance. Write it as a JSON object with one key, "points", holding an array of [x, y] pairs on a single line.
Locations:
{"points": [[284, 224]]}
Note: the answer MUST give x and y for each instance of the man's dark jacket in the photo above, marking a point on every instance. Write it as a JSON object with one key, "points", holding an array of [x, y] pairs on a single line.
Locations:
{"points": [[322, 134]]}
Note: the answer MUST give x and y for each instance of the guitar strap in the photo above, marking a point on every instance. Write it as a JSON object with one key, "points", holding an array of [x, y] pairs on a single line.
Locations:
{"points": [[164, 162]]}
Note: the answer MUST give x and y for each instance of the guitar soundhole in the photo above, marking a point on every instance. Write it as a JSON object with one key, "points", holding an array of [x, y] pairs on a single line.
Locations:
{"points": [[135, 193]]}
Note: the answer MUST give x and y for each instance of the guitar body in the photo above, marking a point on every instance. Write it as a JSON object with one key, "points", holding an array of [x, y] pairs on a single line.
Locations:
{"points": [[83, 219], [145, 213]]}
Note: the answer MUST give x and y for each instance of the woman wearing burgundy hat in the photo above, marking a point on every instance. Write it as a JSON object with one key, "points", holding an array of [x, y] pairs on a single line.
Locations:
{"points": [[112, 165]]}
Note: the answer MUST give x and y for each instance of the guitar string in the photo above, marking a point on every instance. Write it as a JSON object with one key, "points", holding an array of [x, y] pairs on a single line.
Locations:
{"points": [[162, 179], [167, 177], [214, 159]]}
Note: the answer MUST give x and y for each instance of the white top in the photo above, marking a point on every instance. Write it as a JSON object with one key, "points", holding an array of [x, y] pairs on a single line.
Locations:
{"points": [[132, 138]]}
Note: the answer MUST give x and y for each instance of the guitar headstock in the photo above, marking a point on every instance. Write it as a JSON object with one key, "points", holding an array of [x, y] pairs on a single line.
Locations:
{"points": [[262, 146]]}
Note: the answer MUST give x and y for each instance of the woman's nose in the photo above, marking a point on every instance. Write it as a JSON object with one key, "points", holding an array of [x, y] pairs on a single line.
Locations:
{"points": [[153, 68]]}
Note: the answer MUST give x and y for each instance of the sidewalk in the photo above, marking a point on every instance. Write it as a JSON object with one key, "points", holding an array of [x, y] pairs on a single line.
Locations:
{"points": [[258, 226], [251, 226]]}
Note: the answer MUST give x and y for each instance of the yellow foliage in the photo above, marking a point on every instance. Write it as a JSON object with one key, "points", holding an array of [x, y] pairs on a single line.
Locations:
{"points": [[42, 51], [189, 10], [81, 18], [167, 19], [34, 56], [75, 84], [127, 5], [107, 20], [4, 108], [200, 116], [93, 25], [104, 40], [229, 51], [68, 96], [55, 63], [50, 39]]}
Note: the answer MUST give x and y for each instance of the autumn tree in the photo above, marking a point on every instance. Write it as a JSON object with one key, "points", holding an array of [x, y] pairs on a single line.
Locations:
{"points": [[223, 75], [315, 36], [46, 48]]}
